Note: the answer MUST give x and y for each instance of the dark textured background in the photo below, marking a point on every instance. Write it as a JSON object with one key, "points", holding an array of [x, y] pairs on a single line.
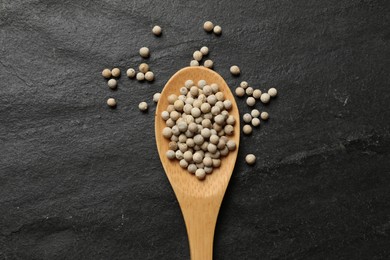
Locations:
{"points": [[81, 181]]}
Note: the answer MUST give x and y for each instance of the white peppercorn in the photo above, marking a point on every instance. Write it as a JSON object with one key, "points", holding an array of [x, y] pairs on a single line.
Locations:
{"points": [[157, 30], [190, 142], [149, 76], [198, 139], [167, 132], [219, 119], [227, 104], [235, 70], [208, 64], [214, 87], [244, 84], [140, 76], [183, 164], [182, 128], [192, 168], [170, 122], [131, 73], [171, 99], [240, 92], [143, 67], [111, 102], [179, 104], [255, 122], [264, 116], [256, 93], [205, 107], [194, 63], [208, 26], [179, 154], [207, 91], [255, 113], [171, 154], [249, 91], [197, 55], [112, 83], [106, 73], [231, 145], [175, 130], [200, 174], [172, 145], [208, 169], [194, 91], [206, 123], [201, 83], [230, 120], [188, 84], [272, 92], [224, 151], [204, 50], [265, 97], [216, 163], [170, 108], [250, 159], [228, 129], [197, 157], [144, 52], [115, 72], [250, 101], [174, 115], [156, 97], [212, 99], [143, 106], [205, 132], [247, 129], [195, 112], [217, 30], [247, 118], [188, 156]]}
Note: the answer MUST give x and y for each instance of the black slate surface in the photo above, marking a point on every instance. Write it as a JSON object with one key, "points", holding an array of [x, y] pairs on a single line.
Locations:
{"points": [[81, 181]]}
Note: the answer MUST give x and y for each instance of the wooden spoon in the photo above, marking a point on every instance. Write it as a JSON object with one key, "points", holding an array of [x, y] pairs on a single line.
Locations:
{"points": [[199, 200]]}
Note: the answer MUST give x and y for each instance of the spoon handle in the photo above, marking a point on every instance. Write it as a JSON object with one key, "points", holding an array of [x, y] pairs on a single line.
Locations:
{"points": [[200, 215]]}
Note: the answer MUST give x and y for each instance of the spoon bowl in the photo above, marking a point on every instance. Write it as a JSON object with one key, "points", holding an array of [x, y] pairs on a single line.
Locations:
{"points": [[199, 200]]}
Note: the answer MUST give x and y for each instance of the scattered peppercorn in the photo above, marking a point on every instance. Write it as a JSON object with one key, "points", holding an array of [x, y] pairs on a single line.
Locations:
{"points": [[272, 92], [106, 73], [143, 67], [194, 63], [157, 30], [140, 76], [112, 83], [264, 115], [149, 76], [115, 72], [111, 102], [144, 52], [250, 159], [208, 26], [217, 30], [265, 97], [130, 73], [235, 70], [143, 106], [208, 64]]}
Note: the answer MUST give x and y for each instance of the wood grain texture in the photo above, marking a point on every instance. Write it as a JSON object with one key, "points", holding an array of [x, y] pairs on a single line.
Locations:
{"points": [[199, 200]]}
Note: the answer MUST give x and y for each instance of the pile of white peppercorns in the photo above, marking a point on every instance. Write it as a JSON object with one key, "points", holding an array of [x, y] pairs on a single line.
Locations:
{"points": [[251, 119], [198, 125], [198, 55]]}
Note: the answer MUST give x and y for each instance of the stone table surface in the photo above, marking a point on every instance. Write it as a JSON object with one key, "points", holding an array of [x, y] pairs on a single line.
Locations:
{"points": [[81, 181]]}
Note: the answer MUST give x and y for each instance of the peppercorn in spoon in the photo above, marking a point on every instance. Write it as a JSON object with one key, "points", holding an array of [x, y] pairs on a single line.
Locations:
{"points": [[199, 200]]}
